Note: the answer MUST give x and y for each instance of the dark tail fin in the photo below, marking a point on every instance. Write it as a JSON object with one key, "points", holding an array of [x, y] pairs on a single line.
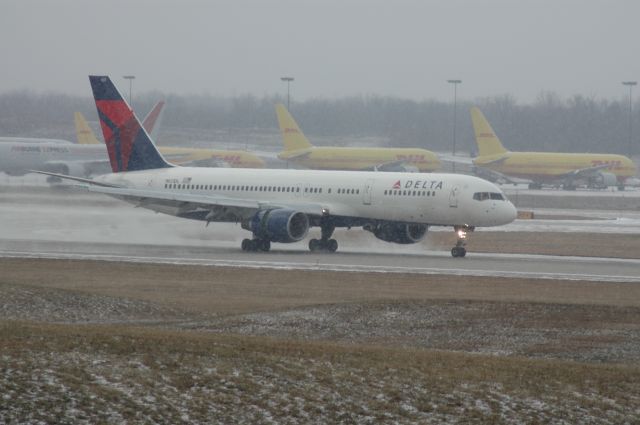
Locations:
{"points": [[130, 147]]}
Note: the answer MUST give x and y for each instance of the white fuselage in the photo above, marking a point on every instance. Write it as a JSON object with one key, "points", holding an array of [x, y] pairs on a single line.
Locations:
{"points": [[427, 198], [68, 158]]}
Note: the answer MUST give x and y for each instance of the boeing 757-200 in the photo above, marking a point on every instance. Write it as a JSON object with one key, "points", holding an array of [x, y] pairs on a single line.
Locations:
{"points": [[281, 205]]}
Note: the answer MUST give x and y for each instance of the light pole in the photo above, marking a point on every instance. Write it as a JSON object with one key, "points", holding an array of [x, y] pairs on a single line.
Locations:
{"points": [[130, 78], [630, 84], [288, 80], [455, 112]]}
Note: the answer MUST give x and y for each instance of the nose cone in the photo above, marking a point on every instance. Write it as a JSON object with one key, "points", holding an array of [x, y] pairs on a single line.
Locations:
{"points": [[508, 213]]}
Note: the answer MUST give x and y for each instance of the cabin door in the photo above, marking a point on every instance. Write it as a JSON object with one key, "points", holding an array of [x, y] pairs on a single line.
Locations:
{"points": [[367, 192], [453, 197]]}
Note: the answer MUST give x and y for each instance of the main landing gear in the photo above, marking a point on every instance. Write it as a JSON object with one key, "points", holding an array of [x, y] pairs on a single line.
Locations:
{"points": [[459, 250], [254, 245], [324, 243]]}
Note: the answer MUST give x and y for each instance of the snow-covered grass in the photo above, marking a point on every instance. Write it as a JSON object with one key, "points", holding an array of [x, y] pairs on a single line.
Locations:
{"points": [[69, 373]]}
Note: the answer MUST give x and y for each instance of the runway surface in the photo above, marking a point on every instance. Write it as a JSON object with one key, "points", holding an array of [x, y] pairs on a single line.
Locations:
{"points": [[50, 224]]}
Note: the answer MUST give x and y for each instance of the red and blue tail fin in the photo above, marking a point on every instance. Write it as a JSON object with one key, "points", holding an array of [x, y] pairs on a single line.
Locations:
{"points": [[130, 147]]}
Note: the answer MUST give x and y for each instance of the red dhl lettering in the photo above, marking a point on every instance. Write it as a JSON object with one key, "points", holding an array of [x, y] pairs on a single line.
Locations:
{"points": [[290, 130], [611, 164], [486, 135]]}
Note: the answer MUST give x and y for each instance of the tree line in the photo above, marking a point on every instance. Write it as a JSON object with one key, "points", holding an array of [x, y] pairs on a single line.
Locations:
{"points": [[550, 123]]}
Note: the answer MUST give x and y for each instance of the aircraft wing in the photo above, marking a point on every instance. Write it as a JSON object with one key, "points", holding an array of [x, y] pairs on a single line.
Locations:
{"points": [[297, 154], [455, 158], [585, 172], [392, 166], [495, 176]]}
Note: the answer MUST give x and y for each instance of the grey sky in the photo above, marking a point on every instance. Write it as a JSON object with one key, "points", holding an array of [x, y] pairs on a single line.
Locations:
{"points": [[333, 48]]}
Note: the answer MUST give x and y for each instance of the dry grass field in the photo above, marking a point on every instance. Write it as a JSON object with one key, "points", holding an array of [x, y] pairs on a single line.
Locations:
{"points": [[101, 342]]}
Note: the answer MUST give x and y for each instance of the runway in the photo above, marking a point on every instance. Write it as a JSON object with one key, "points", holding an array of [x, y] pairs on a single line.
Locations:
{"points": [[50, 224]]}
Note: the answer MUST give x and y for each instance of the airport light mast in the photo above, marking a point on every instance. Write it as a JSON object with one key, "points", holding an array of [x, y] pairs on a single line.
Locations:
{"points": [[130, 78], [630, 84], [288, 81], [455, 112]]}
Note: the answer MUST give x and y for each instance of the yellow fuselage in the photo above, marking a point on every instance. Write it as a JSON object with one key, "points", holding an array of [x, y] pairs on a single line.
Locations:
{"points": [[337, 158], [547, 166], [235, 159]]}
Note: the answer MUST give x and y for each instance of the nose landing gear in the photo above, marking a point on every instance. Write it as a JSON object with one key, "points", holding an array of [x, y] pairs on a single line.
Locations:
{"points": [[459, 250]]}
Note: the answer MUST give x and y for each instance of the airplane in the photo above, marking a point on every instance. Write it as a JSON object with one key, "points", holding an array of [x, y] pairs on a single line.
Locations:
{"points": [[300, 151], [495, 162], [178, 155], [89, 157], [281, 205], [30, 140]]}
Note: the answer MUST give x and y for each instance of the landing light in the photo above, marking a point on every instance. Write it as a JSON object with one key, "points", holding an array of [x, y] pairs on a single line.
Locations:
{"points": [[462, 234]]}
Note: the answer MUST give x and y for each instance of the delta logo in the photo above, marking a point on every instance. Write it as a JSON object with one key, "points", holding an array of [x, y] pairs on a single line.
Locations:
{"points": [[418, 184]]}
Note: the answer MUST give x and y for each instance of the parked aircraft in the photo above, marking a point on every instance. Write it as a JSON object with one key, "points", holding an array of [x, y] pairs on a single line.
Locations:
{"points": [[30, 140], [89, 157], [300, 151], [539, 168], [178, 155], [281, 205]]}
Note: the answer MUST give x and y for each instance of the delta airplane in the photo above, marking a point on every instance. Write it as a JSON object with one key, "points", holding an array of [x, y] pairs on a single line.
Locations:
{"points": [[566, 169], [300, 151], [281, 205], [178, 155]]}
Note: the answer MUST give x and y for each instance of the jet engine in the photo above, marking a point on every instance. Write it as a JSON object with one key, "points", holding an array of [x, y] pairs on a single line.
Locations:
{"points": [[603, 180], [402, 233], [279, 225]]}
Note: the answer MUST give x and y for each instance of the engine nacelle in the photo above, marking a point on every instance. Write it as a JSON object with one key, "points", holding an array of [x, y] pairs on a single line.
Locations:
{"points": [[403, 233], [604, 180], [279, 225]]}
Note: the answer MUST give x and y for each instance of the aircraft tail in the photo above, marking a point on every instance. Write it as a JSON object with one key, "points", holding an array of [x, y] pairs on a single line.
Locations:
{"points": [[130, 147], [84, 134], [292, 136], [152, 121], [486, 139]]}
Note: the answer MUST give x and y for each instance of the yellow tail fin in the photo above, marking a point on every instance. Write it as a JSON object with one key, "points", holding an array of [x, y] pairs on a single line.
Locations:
{"points": [[292, 136], [84, 134], [487, 141]]}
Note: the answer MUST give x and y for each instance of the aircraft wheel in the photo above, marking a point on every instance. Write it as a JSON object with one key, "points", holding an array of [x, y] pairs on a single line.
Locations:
{"points": [[314, 245], [458, 252], [246, 244], [332, 245], [264, 245]]}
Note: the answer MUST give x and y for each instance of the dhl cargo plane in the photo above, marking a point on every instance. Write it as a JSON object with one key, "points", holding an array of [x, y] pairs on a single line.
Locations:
{"points": [[281, 205], [300, 151], [190, 156], [561, 169]]}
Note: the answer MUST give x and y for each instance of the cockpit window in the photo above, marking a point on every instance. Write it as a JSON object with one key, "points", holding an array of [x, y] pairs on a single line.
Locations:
{"points": [[483, 196]]}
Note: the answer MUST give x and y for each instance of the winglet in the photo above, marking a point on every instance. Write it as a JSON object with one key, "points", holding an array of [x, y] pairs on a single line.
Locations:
{"points": [[486, 139], [84, 134], [292, 136], [130, 147]]}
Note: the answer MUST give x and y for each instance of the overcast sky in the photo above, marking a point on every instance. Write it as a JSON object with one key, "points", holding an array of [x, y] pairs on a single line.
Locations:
{"points": [[333, 48]]}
